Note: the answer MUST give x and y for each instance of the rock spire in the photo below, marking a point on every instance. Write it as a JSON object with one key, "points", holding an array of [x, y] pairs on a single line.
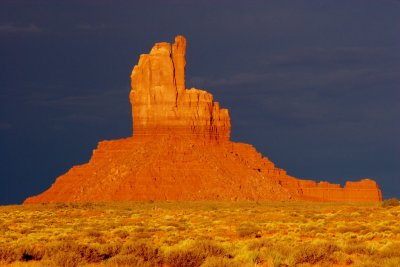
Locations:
{"points": [[161, 105], [180, 150]]}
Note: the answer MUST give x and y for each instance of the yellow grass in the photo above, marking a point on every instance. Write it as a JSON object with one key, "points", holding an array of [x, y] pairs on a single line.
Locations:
{"points": [[200, 234]]}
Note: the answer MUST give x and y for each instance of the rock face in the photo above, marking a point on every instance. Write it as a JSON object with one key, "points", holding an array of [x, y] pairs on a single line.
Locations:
{"points": [[162, 106], [180, 150]]}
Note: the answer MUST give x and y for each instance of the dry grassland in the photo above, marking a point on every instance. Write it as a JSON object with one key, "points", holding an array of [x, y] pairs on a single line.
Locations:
{"points": [[200, 234]]}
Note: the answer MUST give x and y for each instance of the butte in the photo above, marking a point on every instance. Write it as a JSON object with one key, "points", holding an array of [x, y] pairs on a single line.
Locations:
{"points": [[181, 150]]}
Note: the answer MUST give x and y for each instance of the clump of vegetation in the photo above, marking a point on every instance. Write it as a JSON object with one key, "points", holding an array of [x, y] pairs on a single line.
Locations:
{"points": [[195, 254], [9, 254], [248, 230], [391, 250], [148, 253], [314, 253], [219, 262], [391, 202], [128, 260], [358, 249], [67, 259], [262, 243], [200, 234]]}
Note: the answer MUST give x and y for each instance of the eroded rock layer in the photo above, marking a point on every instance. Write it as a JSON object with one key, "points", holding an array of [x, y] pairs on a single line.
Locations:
{"points": [[180, 150], [162, 106]]}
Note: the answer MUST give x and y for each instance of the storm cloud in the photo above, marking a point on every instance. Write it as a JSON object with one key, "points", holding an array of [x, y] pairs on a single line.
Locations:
{"points": [[313, 85]]}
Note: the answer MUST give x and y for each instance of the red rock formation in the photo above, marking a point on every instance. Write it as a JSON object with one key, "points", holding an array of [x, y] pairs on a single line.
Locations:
{"points": [[162, 106], [180, 150]]}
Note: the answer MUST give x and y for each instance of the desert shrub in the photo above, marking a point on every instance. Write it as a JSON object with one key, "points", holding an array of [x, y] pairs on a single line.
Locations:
{"points": [[24, 252], [61, 205], [128, 260], [367, 234], [56, 247], [261, 243], [94, 233], [70, 249], [219, 262], [391, 250], [111, 249], [248, 230], [392, 202], [390, 262], [313, 253], [66, 259], [87, 205], [140, 229], [194, 255], [209, 248], [354, 248], [309, 228], [143, 235], [272, 258], [271, 252], [348, 261], [383, 228], [121, 233], [9, 254], [185, 258], [370, 263], [354, 228], [174, 224], [32, 252], [147, 252], [91, 253]]}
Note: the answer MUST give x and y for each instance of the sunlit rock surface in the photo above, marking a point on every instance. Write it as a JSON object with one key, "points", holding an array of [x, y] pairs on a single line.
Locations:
{"points": [[181, 150]]}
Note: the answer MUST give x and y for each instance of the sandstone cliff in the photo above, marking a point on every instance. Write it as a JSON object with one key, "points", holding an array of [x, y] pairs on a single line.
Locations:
{"points": [[162, 106], [180, 150]]}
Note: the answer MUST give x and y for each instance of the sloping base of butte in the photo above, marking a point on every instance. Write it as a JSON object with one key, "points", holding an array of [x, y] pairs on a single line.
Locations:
{"points": [[180, 150]]}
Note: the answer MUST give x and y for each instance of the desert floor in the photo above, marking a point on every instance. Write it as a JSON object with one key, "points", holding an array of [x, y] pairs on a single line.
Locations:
{"points": [[200, 234]]}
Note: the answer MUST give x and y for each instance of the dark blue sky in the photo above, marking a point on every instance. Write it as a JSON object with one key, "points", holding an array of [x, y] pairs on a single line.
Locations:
{"points": [[313, 85]]}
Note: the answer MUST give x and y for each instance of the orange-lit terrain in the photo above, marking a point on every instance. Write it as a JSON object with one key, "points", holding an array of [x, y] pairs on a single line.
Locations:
{"points": [[181, 150], [189, 234], [179, 193], [200, 133]]}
